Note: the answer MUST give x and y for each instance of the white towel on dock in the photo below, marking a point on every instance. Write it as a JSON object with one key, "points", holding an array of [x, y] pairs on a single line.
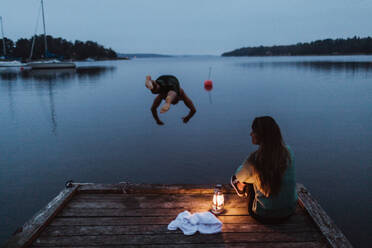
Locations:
{"points": [[204, 222]]}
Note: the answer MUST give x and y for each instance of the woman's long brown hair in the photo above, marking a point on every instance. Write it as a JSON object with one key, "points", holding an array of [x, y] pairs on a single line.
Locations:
{"points": [[271, 159]]}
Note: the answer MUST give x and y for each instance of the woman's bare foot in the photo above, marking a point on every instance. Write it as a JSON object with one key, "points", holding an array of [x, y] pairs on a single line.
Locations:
{"points": [[165, 108]]}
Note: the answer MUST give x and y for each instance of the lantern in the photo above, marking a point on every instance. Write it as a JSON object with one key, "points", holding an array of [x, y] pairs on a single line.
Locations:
{"points": [[218, 200]]}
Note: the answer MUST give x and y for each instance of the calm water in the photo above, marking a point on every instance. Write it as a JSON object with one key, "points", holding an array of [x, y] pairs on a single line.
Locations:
{"points": [[95, 125]]}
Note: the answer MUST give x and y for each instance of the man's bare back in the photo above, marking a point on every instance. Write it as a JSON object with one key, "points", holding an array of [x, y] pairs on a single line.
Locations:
{"points": [[167, 88]]}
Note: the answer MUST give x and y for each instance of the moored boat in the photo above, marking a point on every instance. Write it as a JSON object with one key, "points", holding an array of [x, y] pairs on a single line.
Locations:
{"points": [[47, 64], [7, 63], [13, 63]]}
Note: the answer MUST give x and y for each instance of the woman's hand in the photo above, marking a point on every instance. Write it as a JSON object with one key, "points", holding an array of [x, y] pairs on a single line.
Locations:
{"points": [[240, 186]]}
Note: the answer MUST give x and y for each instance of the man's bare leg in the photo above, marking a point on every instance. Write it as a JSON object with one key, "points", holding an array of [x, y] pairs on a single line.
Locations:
{"points": [[170, 98]]}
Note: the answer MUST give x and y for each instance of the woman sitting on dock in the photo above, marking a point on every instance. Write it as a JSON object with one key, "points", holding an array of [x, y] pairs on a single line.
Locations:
{"points": [[267, 177]]}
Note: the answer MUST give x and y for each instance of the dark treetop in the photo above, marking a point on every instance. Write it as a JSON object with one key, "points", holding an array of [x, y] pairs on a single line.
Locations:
{"points": [[355, 45], [57, 48]]}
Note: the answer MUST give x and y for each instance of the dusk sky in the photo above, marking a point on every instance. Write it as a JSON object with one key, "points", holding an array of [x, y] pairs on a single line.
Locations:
{"points": [[189, 27]]}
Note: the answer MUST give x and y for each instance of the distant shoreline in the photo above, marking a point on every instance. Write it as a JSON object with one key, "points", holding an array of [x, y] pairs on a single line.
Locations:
{"points": [[303, 55], [349, 46]]}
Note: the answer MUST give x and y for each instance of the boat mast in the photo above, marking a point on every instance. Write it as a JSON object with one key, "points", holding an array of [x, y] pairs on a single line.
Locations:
{"points": [[45, 40], [2, 32]]}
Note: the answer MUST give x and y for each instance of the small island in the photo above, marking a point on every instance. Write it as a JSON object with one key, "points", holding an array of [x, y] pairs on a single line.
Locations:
{"points": [[350, 46], [58, 48]]}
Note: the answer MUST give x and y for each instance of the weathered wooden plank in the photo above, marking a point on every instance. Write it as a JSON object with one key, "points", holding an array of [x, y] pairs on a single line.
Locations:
{"points": [[157, 201], [149, 205], [152, 204], [119, 212], [41, 219], [154, 197], [228, 245], [178, 239], [100, 188], [113, 197], [96, 221], [162, 229], [131, 188], [328, 228], [151, 201]]}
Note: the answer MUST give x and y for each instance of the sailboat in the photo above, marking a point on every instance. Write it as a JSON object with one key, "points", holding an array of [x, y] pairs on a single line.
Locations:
{"points": [[7, 63], [49, 64]]}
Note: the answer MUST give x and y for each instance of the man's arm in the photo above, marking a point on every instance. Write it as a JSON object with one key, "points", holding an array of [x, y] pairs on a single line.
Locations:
{"points": [[190, 105], [154, 107]]}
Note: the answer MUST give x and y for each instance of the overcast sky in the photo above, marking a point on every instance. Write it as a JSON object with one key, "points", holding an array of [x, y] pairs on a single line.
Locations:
{"points": [[189, 26]]}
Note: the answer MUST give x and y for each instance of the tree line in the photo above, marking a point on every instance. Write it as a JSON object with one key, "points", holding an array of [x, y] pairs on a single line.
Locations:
{"points": [[57, 48], [355, 45]]}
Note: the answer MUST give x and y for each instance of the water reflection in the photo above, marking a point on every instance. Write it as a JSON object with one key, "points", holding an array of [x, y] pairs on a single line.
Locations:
{"points": [[47, 80], [362, 66], [93, 72], [208, 86], [53, 115], [87, 72], [11, 100]]}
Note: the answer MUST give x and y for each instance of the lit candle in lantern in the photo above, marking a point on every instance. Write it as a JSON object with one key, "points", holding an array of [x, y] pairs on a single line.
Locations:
{"points": [[218, 200]]}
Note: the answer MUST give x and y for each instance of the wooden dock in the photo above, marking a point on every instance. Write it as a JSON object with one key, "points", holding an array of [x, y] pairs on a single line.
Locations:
{"points": [[137, 215]]}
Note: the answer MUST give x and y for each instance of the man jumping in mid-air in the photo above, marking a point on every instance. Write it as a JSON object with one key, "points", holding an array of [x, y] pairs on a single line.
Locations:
{"points": [[168, 88]]}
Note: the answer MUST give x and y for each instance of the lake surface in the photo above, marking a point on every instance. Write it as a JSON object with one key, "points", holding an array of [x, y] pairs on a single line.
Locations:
{"points": [[94, 124]]}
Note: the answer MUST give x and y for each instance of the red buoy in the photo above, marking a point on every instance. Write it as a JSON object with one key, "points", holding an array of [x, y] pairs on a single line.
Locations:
{"points": [[22, 68], [208, 88], [208, 85]]}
